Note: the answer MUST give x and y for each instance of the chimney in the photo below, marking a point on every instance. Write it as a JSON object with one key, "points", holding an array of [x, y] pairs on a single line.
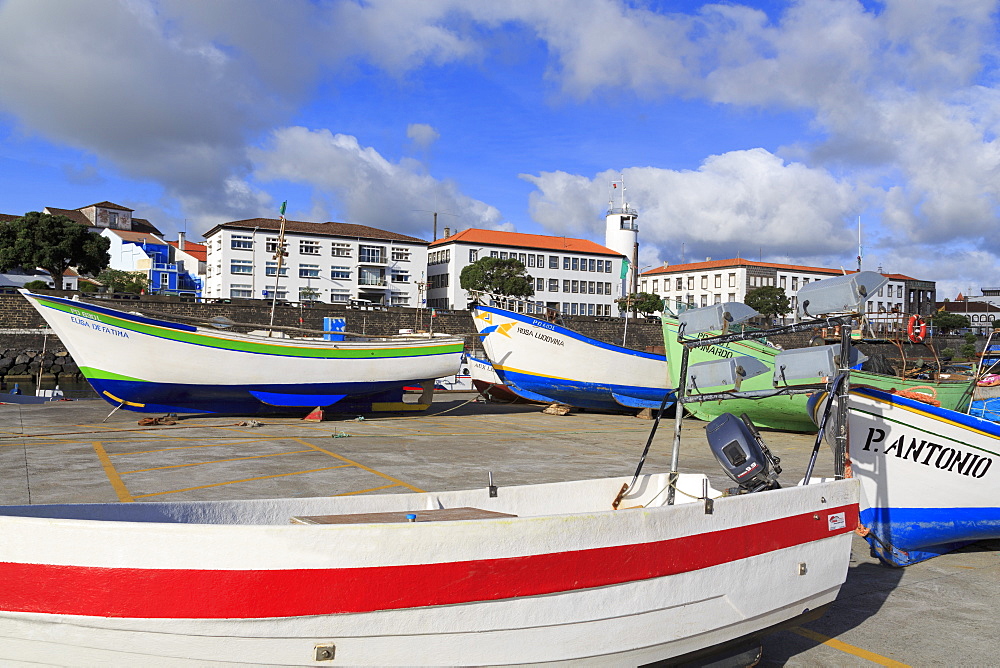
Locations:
{"points": [[447, 232], [180, 241]]}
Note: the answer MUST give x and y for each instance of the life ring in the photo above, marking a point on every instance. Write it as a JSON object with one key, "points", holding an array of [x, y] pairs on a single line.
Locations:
{"points": [[916, 329]]}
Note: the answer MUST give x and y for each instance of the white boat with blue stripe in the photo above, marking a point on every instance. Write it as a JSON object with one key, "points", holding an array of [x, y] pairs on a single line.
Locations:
{"points": [[543, 361], [928, 484]]}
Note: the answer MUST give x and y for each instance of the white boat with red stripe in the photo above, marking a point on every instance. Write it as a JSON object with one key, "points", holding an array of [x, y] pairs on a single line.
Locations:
{"points": [[517, 575]]}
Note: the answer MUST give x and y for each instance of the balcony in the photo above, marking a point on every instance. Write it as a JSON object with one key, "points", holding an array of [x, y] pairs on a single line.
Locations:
{"points": [[372, 282]]}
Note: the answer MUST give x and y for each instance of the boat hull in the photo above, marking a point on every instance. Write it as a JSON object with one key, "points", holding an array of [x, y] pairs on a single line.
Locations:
{"points": [[545, 362], [151, 365], [151, 583], [928, 475], [786, 412]]}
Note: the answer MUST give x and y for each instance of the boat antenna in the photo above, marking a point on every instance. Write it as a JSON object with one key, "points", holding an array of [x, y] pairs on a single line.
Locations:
{"points": [[861, 249], [279, 255]]}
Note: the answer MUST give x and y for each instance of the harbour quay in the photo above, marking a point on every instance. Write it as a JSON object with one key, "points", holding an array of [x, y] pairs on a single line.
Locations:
{"points": [[938, 612]]}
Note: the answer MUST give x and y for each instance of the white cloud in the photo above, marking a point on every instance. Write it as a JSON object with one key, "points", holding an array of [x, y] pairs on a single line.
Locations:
{"points": [[734, 203], [365, 187], [422, 135]]}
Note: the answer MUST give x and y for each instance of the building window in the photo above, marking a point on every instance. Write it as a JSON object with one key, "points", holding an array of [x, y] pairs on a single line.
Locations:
{"points": [[607, 288], [164, 280], [400, 254], [539, 283], [473, 255], [576, 286], [503, 255], [591, 287], [600, 266], [553, 262], [308, 247], [656, 285], [522, 258], [795, 282], [540, 260], [576, 264], [339, 296], [372, 254], [271, 268], [566, 263], [704, 282], [367, 276], [600, 288], [241, 242], [732, 280], [271, 244], [592, 265], [400, 277], [565, 286], [783, 282], [308, 271], [340, 250], [718, 280], [531, 260], [899, 291], [553, 285], [339, 273], [241, 267], [240, 291], [495, 254], [690, 282]]}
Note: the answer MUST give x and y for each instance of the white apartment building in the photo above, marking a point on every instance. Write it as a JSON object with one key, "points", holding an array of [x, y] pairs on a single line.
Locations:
{"points": [[717, 281], [328, 262], [572, 276]]}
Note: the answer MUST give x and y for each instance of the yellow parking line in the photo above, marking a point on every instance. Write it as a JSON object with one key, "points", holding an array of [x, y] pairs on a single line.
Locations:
{"points": [[182, 447], [214, 461], [109, 470], [360, 466], [844, 647], [233, 482]]}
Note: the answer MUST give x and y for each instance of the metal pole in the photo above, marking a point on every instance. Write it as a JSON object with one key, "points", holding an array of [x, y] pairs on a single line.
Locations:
{"points": [[842, 437], [279, 256], [679, 393]]}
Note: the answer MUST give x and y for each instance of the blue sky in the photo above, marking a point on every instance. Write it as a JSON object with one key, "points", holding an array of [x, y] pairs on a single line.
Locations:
{"points": [[758, 129]]}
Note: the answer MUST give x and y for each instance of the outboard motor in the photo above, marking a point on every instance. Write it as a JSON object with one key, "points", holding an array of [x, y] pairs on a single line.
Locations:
{"points": [[741, 451]]}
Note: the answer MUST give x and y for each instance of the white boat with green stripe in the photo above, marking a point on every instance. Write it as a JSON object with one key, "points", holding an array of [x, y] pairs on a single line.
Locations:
{"points": [[152, 365]]}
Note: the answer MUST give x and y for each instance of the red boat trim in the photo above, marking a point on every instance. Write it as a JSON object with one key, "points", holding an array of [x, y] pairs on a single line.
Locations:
{"points": [[250, 594]]}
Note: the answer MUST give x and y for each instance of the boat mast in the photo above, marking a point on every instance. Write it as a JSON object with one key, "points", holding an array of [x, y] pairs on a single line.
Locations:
{"points": [[279, 255]]}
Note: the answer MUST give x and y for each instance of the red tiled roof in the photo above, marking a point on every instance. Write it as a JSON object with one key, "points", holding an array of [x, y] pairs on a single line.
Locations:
{"points": [[197, 251], [740, 262], [520, 240], [107, 205], [77, 215], [329, 229], [6, 217]]}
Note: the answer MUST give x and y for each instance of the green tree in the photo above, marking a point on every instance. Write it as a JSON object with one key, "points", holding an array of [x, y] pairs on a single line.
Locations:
{"points": [[53, 243], [116, 280], [506, 278], [944, 321], [769, 301], [36, 285], [640, 302]]}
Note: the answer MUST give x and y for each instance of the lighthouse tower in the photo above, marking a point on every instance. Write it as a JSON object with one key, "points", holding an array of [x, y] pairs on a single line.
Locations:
{"points": [[621, 233]]}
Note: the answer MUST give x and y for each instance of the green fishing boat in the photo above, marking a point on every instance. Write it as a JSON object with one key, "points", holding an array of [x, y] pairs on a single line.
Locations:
{"points": [[788, 412]]}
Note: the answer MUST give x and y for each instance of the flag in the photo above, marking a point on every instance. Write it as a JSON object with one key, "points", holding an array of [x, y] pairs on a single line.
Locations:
{"points": [[434, 313], [283, 205], [625, 264]]}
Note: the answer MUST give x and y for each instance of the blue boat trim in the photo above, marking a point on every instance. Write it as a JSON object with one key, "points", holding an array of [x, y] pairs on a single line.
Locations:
{"points": [[241, 399], [581, 393]]}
